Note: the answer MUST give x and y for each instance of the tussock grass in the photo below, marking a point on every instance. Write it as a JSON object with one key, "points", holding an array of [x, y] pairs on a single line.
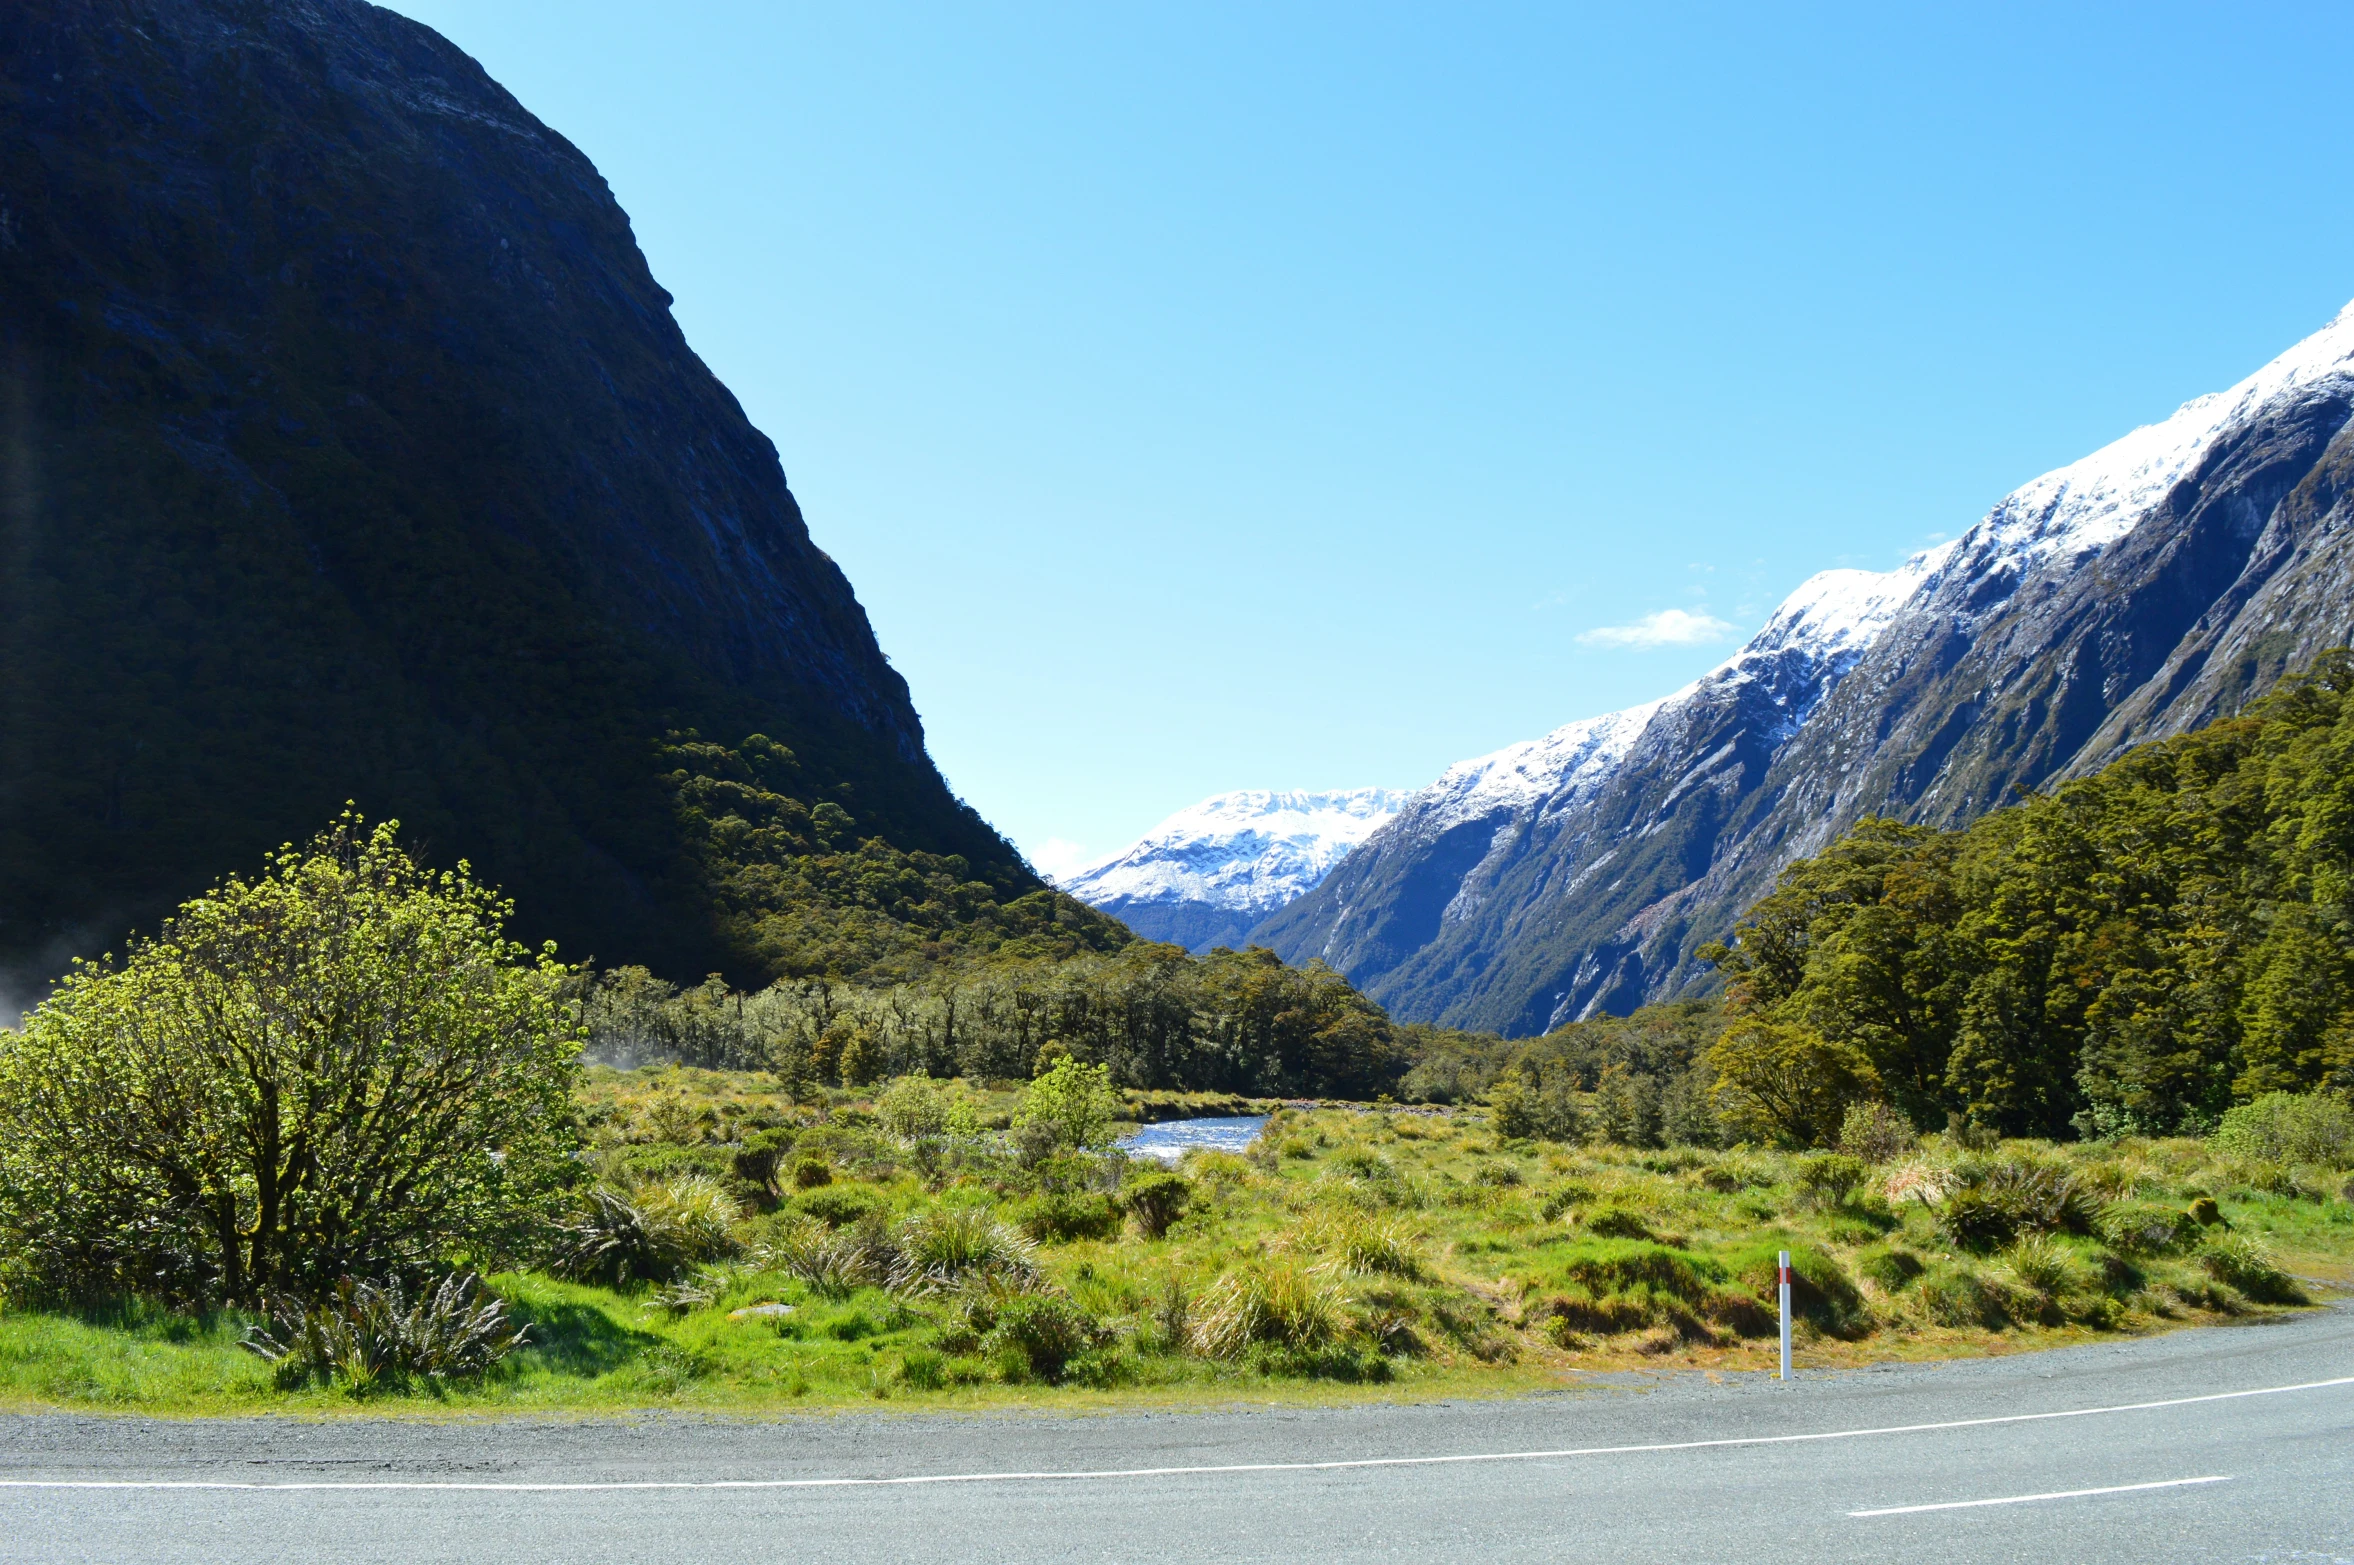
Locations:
{"points": [[1352, 1247]]}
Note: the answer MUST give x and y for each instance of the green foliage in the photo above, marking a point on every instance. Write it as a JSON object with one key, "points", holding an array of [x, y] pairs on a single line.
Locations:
{"points": [[1072, 1106], [1828, 1181], [1042, 1333], [1285, 1306], [2290, 1127], [664, 1231], [1891, 1268], [338, 1068], [1062, 1216], [1874, 1132], [800, 891], [1783, 1083], [1156, 1201], [365, 1336], [2242, 1263], [838, 1206], [2134, 953], [1160, 1019]]}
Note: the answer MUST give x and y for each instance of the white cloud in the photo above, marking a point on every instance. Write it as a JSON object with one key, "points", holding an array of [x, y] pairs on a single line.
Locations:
{"points": [[1058, 858], [1667, 628]]}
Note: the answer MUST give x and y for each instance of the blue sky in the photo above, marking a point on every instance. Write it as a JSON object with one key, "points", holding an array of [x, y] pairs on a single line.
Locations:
{"points": [[1205, 397]]}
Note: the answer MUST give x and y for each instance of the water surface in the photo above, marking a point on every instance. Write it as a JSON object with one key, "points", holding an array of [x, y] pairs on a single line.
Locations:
{"points": [[1171, 1139]]}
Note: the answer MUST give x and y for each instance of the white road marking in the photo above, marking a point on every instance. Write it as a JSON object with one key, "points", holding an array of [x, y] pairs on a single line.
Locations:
{"points": [[2056, 1494], [1100, 1474]]}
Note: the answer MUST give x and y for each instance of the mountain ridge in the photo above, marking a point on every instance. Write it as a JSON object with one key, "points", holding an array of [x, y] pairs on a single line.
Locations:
{"points": [[2133, 594], [1204, 876]]}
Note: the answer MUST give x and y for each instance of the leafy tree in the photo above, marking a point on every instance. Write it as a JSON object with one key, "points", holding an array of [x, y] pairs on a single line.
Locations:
{"points": [[2138, 950], [1780, 1083], [340, 1067], [1072, 1104]]}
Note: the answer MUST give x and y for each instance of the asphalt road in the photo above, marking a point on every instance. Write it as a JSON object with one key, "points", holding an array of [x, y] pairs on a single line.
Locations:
{"points": [[1881, 1464]]}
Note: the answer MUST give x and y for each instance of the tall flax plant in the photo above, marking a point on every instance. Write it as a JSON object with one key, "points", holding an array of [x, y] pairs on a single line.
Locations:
{"points": [[339, 1068]]}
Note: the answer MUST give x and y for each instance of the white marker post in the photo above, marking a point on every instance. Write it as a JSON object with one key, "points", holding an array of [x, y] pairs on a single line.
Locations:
{"points": [[1785, 1278]]}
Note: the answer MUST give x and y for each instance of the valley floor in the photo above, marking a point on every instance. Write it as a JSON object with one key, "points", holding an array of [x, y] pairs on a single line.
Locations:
{"points": [[1355, 1254]]}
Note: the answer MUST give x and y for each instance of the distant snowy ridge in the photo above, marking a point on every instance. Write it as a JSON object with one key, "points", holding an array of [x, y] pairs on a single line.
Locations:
{"points": [[1252, 851], [1579, 871]]}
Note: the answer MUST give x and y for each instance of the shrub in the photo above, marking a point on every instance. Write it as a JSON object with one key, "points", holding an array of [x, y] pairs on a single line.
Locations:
{"points": [[811, 1173], [2240, 1262], [945, 1245], [1156, 1201], [2044, 1265], [1780, 1083], [341, 1067], [1070, 1107], [1042, 1333], [1997, 1204], [664, 1231], [1829, 1180], [367, 1335], [2290, 1127], [1283, 1305], [1615, 1287], [1876, 1132], [1062, 1217], [2139, 1228], [838, 1206], [758, 1160]]}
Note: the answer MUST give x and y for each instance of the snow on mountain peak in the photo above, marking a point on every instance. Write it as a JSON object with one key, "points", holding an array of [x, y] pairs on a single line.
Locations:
{"points": [[1252, 850], [2093, 502]]}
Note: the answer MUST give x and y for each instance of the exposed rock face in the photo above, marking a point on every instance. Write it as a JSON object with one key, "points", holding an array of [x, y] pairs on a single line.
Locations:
{"points": [[2148, 589], [1207, 874], [348, 449]]}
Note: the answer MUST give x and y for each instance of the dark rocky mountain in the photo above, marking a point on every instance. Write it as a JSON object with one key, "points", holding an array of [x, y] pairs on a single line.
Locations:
{"points": [[348, 450], [2144, 591]]}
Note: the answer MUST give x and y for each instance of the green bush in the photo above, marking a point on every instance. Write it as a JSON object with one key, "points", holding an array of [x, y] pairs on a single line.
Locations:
{"points": [[2143, 1228], [1041, 1334], [1283, 1305], [838, 1206], [1059, 1217], [943, 1246], [1156, 1201], [340, 1068], [759, 1159], [1954, 1294], [1830, 1179], [2291, 1127], [1876, 1132], [2000, 1202]]}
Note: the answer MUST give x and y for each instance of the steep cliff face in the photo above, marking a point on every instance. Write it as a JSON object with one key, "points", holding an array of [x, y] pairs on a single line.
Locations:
{"points": [[2143, 591], [348, 449]]}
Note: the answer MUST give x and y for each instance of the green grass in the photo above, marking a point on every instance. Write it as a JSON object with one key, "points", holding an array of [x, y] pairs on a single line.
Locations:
{"points": [[1354, 1253]]}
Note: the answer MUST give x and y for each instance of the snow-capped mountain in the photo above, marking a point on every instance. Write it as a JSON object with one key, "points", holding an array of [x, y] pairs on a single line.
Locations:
{"points": [[1208, 873], [2152, 586]]}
